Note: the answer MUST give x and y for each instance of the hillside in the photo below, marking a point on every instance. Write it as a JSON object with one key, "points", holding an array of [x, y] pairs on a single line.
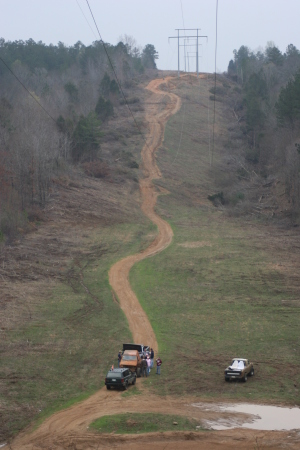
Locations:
{"points": [[222, 287], [226, 283]]}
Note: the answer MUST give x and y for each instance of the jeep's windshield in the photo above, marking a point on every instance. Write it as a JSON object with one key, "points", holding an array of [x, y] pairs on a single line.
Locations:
{"points": [[129, 358]]}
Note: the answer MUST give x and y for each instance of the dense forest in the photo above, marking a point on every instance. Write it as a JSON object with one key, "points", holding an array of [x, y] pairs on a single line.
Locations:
{"points": [[78, 89], [266, 105]]}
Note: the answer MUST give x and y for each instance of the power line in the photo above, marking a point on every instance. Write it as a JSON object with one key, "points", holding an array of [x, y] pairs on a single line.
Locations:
{"points": [[86, 19], [216, 46], [18, 79], [117, 80], [182, 15]]}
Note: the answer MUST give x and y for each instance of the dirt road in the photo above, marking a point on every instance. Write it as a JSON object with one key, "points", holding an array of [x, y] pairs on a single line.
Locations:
{"points": [[63, 425], [118, 276], [69, 428]]}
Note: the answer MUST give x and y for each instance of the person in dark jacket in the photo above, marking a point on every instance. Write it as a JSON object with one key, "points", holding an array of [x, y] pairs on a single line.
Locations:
{"points": [[152, 357], [144, 367], [119, 357], [158, 364]]}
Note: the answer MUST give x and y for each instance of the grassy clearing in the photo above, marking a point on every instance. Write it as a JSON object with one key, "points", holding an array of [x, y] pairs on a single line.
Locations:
{"points": [[61, 355], [214, 293], [144, 423]]}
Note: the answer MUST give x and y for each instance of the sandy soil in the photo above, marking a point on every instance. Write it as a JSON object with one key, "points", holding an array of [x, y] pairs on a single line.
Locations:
{"points": [[69, 428]]}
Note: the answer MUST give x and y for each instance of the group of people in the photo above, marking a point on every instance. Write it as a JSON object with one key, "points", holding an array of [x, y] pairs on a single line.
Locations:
{"points": [[148, 363]]}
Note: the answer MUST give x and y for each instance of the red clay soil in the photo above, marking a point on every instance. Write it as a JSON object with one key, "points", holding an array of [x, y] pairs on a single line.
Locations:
{"points": [[68, 429]]}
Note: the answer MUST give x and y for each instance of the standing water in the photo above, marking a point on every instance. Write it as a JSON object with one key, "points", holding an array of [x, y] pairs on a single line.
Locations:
{"points": [[259, 417]]}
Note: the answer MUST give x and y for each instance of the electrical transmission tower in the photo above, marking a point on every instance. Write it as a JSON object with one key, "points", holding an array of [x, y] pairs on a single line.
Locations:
{"points": [[178, 37]]}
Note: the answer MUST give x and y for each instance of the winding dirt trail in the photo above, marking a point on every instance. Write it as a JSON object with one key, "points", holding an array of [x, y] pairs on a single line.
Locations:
{"points": [[69, 429], [59, 430], [118, 275]]}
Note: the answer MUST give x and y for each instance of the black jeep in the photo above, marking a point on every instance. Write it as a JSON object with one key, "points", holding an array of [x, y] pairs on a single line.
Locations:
{"points": [[120, 378]]}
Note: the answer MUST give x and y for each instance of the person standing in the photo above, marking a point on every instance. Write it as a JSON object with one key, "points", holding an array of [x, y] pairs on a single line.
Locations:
{"points": [[148, 364], [158, 364], [119, 357], [152, 357], [144, 367]]}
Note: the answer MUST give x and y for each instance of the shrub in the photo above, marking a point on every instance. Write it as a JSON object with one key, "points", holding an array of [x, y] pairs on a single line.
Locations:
{"points": [[217, 198], [133, 165], [218, 90], [252, 155], [97, 169], [72, 90], [104, 108], [129, 101], [35, 214], [237, 197], [86, 137], [215, 99]]}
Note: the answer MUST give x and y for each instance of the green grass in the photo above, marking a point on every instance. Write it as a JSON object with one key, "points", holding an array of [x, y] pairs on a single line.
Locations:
{"points": [[65, 349], [220, 298], [134, 390], [144, 423]]}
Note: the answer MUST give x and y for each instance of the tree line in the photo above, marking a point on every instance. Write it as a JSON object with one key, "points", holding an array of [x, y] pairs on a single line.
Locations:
{"points": [[77, 87], [266, 102]]}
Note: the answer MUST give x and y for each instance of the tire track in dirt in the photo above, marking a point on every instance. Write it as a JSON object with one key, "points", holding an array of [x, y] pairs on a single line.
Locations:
{"points": [[139, 324]]}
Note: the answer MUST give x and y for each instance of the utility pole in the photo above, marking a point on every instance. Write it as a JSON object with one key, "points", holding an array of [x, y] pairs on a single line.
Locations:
{"points": [[178, 53], [197, 67], [194, 55], [187, 37], [185, 46]]}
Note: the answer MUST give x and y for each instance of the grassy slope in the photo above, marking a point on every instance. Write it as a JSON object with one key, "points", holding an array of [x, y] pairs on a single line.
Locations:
{"points": [[63, 353], [214, 294]]}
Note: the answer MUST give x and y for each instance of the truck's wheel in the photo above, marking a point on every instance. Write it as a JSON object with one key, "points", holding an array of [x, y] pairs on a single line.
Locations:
{"points": [[138, 372], [125, 386], [107, 387], [226, 379], [134, 381], [252, 372], [245, 378]]}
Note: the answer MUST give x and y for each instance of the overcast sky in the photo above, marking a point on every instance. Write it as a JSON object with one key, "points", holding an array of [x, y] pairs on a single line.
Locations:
{"points": [[240, 22]]}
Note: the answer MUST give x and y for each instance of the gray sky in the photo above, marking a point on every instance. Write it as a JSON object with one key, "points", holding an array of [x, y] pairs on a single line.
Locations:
{"points": [[240, 22]]}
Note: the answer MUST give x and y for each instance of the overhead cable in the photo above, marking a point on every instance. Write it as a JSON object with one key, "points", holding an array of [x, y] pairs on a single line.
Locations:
{"points": [[117, 80], [34, 98], [216, 46]]}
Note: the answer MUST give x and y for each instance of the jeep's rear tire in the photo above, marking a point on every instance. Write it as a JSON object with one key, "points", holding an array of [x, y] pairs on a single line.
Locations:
{"points": [[107, 387], [134, 381], [138, 372], [125, 386], [245, 378], [252, 372]]}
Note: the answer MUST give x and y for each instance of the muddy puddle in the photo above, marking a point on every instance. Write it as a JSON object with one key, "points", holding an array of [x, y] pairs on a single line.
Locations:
{"points": [[256, 417]]}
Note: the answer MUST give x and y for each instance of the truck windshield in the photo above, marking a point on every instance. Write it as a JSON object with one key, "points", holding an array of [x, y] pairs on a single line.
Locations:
{"points": [[129, 358]]}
